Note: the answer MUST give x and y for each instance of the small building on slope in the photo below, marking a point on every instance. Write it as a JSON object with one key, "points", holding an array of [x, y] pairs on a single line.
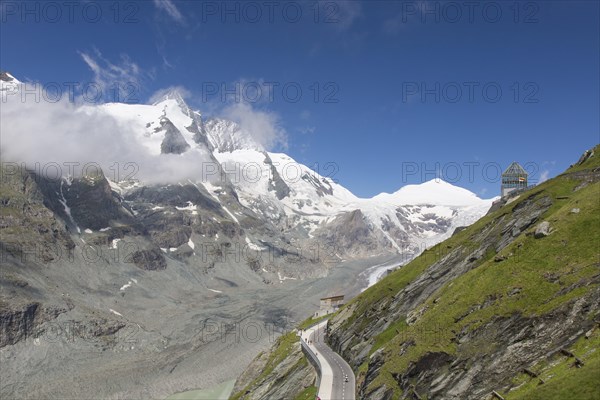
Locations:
{"points": [[514, 178]]}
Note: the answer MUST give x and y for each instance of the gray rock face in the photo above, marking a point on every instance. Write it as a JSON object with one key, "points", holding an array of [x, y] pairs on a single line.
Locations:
{"points": [[349, 231], [28, 223], [149, 260], [322, 186], [511, 342], [89, 199], [16, 324], [20, 321], [174, 142], [277, 184]]}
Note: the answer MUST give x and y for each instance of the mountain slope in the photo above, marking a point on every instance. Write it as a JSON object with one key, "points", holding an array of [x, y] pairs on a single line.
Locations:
{"points": [[168, 142], [502, 306], [470, 314]]}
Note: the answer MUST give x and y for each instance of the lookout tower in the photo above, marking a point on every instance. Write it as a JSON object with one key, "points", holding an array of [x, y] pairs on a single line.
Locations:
{"points": [[514, 178]]}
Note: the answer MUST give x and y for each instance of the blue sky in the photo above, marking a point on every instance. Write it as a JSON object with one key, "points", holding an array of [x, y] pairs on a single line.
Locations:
{"points": [[392, 92]]}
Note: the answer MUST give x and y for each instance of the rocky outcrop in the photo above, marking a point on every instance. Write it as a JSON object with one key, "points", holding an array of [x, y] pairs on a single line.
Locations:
{"points": [[21, 321], [287, 378], [511, 344], [29, 229], [16, 324], [173, 142], [349, 231], [277, 184], [149, 260]]}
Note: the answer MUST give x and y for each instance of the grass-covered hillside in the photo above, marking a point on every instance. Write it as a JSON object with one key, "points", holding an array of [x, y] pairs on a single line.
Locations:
{"points": [[507, 307]]}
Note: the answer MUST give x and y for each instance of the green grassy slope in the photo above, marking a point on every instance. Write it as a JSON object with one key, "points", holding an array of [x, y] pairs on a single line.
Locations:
{"points": [[529, 277]]}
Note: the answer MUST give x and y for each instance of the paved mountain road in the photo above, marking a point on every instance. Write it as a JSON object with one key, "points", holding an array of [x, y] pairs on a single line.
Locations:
{"points": [[337, 378]]}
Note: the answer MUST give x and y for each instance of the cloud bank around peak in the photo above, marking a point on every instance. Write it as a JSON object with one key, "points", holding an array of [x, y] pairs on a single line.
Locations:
{"points": [[44, 133], [41, 133], [264, 126], [161, 93]]}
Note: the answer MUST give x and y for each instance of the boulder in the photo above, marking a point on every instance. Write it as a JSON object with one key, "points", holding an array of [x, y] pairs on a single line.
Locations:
{"points": [[542, 230]]}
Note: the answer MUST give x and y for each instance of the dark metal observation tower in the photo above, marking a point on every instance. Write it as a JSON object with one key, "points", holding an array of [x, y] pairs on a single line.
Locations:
{"points": [[514, 178]]}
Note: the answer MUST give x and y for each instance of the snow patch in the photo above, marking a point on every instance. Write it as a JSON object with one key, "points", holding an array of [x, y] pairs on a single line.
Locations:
{"points": [[230, 214], [127, 285], [254, 246], [189, 207], [283, 278], [115, 312], [63, 201]]}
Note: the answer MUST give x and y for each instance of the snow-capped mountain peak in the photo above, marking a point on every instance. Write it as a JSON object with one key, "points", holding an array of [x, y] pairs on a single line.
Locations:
{"points": [[227, 136], [434, 192], [173, 94], [271, 192], [8, 83]]}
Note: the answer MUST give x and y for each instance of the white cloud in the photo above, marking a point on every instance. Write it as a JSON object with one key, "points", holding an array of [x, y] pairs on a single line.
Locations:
{"points": [[169, 7], [544, 175], [161, 93], [264, 126], [122, 78], [64, 132]]}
